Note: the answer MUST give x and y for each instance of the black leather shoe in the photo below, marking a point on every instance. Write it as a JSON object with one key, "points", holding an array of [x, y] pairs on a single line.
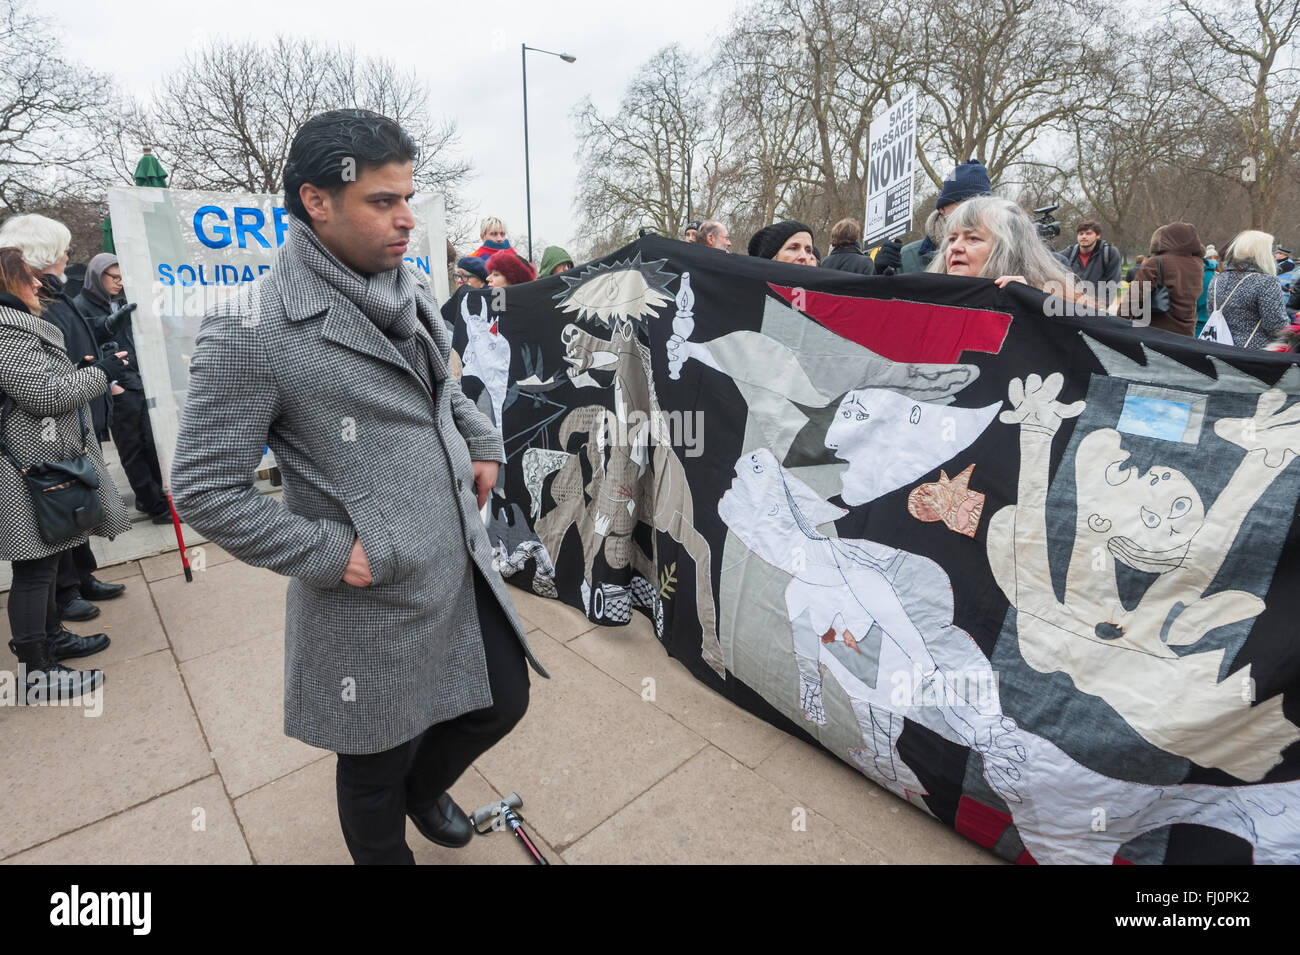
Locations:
{"points": [[50, 682], [98, 590], [78, 609], [162, 517], [68, 645], [444, 823]]}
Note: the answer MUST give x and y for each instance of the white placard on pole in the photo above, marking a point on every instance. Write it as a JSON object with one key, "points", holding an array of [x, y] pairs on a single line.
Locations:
{"points": [[891, 164]]}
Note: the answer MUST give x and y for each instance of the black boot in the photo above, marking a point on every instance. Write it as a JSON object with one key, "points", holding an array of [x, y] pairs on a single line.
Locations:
{"points": [[66, 645], [50, 682]]}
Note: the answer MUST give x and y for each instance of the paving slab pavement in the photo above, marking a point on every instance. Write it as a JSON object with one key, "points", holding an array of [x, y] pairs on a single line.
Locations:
{"points": [[623, 757]]}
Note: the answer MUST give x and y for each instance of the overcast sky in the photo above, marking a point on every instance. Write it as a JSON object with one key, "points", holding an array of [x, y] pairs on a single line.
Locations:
{"points": [[468, 52]]}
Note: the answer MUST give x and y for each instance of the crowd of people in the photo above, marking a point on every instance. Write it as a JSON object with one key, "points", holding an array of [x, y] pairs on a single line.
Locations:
{"points": [[70, 379], [1246, 297]]}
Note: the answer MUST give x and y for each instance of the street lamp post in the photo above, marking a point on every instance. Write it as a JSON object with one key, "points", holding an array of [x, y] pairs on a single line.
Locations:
{"points": [[690, 161], [528, 186]]}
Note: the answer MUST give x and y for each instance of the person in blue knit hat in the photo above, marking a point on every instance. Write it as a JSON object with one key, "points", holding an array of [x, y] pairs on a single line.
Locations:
{"points": [[968, 180]]}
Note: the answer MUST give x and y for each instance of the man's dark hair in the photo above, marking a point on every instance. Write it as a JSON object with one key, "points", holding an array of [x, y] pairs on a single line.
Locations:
{"points": [[334, 148], [1089, 225]]}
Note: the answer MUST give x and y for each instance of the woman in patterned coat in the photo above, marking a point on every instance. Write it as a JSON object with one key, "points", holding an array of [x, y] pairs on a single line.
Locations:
{"points": [[1247, 293], [44, 400]]}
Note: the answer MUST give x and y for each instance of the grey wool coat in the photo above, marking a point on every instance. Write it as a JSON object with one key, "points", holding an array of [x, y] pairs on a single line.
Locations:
{"points": [[50, 400], [366, 451]]}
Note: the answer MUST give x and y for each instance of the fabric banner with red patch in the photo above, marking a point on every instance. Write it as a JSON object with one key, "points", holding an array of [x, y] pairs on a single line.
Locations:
{"points": [[1037, 576]]}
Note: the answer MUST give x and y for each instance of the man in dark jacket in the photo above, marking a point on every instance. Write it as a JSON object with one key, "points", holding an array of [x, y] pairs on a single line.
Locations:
{"points": [[1092, 258], [1175, 262], [846, 255], [132, 433], [45, 245]]}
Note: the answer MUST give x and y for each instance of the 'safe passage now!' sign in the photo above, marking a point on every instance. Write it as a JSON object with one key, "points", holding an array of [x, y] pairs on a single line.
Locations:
{"points": [[889, 175]]}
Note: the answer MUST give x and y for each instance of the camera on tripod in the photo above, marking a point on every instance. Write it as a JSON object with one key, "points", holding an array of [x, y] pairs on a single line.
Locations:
{"points": [[1048, 228]]}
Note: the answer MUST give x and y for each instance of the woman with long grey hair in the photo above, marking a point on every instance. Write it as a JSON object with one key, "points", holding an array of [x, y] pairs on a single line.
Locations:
{"points": [[993, 238]]}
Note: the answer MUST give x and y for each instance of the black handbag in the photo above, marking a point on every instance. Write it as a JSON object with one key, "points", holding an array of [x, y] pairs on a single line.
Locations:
{"points": [[64, 493]]}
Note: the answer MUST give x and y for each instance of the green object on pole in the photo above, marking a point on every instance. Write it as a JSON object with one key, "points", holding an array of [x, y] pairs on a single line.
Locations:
{"points": [[149, 171]]}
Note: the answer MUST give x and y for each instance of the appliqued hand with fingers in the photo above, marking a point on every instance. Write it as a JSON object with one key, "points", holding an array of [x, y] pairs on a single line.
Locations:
{"points": [[996, 742], [1034, 406], [1273, 429]]}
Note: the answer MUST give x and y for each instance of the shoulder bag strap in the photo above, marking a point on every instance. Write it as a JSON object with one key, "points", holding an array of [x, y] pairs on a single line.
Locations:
{"points": [[4, 428], [1214, 299], [9, 404]]}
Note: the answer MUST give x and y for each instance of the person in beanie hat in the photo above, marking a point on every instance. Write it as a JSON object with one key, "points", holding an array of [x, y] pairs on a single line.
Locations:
{"points": [[471, 271], [968, 180], [692, 230], [554, 261], [506, 268], [788, 241]]}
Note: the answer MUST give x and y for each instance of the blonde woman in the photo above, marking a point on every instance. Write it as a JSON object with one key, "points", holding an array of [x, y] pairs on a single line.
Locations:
{"points": [[493, 234], [1247, 293]]}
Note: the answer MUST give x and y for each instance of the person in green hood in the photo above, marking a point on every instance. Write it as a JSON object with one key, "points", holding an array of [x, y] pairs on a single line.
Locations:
{"points": [[554, 261]]}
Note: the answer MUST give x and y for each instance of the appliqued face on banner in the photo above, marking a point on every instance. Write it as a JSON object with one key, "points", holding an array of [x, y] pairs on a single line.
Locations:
{"points": [[890, 440], [585, 352], [1147, 520], [621, 291], [768, 511]]}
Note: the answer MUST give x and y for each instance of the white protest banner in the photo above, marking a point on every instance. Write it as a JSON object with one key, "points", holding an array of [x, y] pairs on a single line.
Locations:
{"points": [[889, 172], [181, 252]]}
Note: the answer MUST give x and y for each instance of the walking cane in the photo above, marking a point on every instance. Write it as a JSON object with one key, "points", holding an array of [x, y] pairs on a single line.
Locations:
{"points": [[180, 540], [504, 810]]}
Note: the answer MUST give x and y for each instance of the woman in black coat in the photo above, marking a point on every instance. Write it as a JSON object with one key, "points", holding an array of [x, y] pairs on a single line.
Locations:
{"points": [[44, 416]]}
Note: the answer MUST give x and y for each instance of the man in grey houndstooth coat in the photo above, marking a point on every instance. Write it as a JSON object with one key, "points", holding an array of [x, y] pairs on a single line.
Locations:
{"points": [[403, 651]]}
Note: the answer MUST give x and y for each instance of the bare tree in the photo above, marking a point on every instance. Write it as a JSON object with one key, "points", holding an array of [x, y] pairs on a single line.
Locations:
{"points": [[1244, 62], [46, 103], [996, 76], [1146, 129], [634, 163], [226, 118], [821, 70]]}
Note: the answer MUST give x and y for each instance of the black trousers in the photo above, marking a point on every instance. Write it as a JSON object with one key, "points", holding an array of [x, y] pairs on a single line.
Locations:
{"points": [[375, 790], [76, 565], [133, 436], [33, 612]]}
